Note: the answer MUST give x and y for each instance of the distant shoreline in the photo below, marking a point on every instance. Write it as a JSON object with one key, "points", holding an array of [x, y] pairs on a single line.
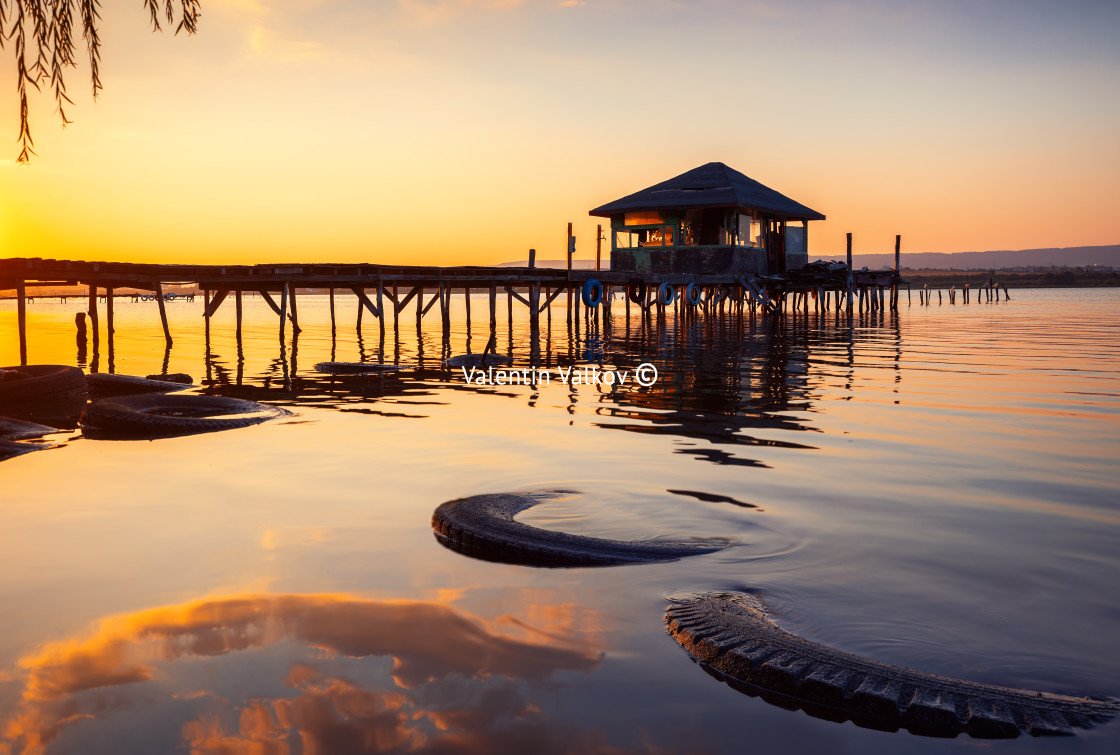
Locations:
{"points": [[1011, 279]]}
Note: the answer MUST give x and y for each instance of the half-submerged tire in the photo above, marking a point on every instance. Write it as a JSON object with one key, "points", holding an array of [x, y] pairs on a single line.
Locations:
{"points": [[478, 360], [104, 384], [483, 527], [157, 415], [733, 635], [18, 429], [357, 368], [40, 382]]}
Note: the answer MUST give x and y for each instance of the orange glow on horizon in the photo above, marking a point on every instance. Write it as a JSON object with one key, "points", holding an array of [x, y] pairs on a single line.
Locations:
{"points": [[284, 133]]}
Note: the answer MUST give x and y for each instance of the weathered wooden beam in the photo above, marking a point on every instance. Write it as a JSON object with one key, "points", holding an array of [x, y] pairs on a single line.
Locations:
{"points": [[21, 305], [519, 297], [294, 316], [431, 303], [551, 298], [408, 297], [109, 321], [93, 316], [381, 309], [216, 302], [363, 301], [850, 273], [283, 311], [162, 314], [237, 309], [331, 293], [269, 300]]}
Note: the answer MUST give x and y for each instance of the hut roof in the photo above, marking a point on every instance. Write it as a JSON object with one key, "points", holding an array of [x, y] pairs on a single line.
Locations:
{"points": [[711, 185]]}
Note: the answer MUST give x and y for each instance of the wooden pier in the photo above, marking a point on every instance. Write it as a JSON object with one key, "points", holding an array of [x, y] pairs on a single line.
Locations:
{"points": [[381, 289]]}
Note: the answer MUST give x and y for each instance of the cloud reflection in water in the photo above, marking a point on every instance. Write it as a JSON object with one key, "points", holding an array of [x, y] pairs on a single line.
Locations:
{"points": [[301, 673]]}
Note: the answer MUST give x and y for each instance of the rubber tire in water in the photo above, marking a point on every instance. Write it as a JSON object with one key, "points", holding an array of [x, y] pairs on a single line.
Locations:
{"points": [[158, 415], [44, 381], [636, 291]]}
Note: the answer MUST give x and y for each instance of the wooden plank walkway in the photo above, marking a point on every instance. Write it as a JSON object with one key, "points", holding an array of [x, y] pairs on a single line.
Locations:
{"points": [[381, 287]]}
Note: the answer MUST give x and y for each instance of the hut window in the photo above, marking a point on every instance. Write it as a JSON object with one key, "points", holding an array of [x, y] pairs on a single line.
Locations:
{"points": [[749, 231], [643, 218]]}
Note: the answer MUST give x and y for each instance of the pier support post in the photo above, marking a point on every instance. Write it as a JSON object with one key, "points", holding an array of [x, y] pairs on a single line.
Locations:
{"points": [[360, 307], [109, 323], [237, 308], [443, 314], [493, 308], [381, 313], [295, 313], [534, 324], [21, 305], [93, 316], [162, 315], [396, 323], [467, 304], [850, 273], [330, 293], [284, 310]]}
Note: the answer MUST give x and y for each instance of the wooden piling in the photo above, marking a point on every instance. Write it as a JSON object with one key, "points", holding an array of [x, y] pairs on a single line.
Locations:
{"points": [[849, 273], [162, 315], [238, 311], [284, 311], [381, 311], [493, 308], [330, 294], [295, 312], [21, 306], [109, 320], [92, 310]]}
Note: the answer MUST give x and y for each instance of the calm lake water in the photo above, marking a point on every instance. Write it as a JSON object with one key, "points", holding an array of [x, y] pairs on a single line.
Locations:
{"points": [[938, 489]]}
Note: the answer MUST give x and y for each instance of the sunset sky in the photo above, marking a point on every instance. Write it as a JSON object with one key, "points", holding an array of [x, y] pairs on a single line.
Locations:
{"points": [[467, 131]]}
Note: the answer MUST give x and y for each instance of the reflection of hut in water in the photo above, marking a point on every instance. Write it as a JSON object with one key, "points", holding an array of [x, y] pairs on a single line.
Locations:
{"points": [[710, 220]]}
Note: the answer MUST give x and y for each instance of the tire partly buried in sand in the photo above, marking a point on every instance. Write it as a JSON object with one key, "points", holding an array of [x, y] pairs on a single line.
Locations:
{"points": [[40, 382], [157, 415], [483, 527], [103, 384], [737, 641]]}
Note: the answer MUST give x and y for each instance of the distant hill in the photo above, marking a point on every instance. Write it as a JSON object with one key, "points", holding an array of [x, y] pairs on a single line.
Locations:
{"points": [[1073, 256]]}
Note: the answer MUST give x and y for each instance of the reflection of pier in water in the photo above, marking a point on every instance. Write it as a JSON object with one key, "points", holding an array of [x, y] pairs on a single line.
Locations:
{"points": [[723, 380]]}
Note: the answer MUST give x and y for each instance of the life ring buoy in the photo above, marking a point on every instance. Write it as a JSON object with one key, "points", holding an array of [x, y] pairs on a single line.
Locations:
{"points": [[692, 295], [592, 293], [636, 291], [666, 294], [157, 415]]}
